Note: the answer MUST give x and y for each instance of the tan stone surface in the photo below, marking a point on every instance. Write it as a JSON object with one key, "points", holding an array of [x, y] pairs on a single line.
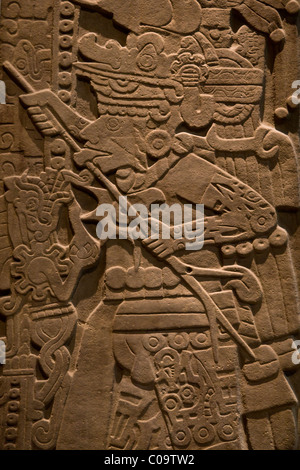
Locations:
{"points": [[142, 344]]}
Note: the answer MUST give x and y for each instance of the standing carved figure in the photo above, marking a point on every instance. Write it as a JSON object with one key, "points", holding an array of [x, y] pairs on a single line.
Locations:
{"points": [[182, 349]]}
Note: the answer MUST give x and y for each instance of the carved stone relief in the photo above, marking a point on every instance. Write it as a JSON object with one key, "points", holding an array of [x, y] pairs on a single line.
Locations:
{"points": [[128, 344]]}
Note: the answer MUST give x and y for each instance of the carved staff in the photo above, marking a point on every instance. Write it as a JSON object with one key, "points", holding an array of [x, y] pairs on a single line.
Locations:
{"points": [[182, 270], [22, 82]]}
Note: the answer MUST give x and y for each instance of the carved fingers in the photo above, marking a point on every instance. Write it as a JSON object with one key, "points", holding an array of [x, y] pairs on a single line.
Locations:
{"points": [[248, 289], [36, 107], [160, 248]]}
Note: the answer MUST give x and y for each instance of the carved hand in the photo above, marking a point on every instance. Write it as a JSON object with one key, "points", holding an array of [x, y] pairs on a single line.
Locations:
{"points": [[36, 107]]}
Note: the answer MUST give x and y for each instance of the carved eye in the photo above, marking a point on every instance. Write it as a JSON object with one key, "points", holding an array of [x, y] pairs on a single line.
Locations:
{"points": [[252, 196], [113, 124], [26, 47], [32, 204], [21, 64], [147, 59]]}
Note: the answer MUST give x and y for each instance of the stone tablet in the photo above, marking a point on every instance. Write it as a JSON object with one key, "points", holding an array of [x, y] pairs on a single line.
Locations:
{"points": [[149, 225]]}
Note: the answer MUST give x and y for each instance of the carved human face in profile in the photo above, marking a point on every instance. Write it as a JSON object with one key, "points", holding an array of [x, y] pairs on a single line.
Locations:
{"points": [[215, 26], [28, 206], [250, 45]]}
